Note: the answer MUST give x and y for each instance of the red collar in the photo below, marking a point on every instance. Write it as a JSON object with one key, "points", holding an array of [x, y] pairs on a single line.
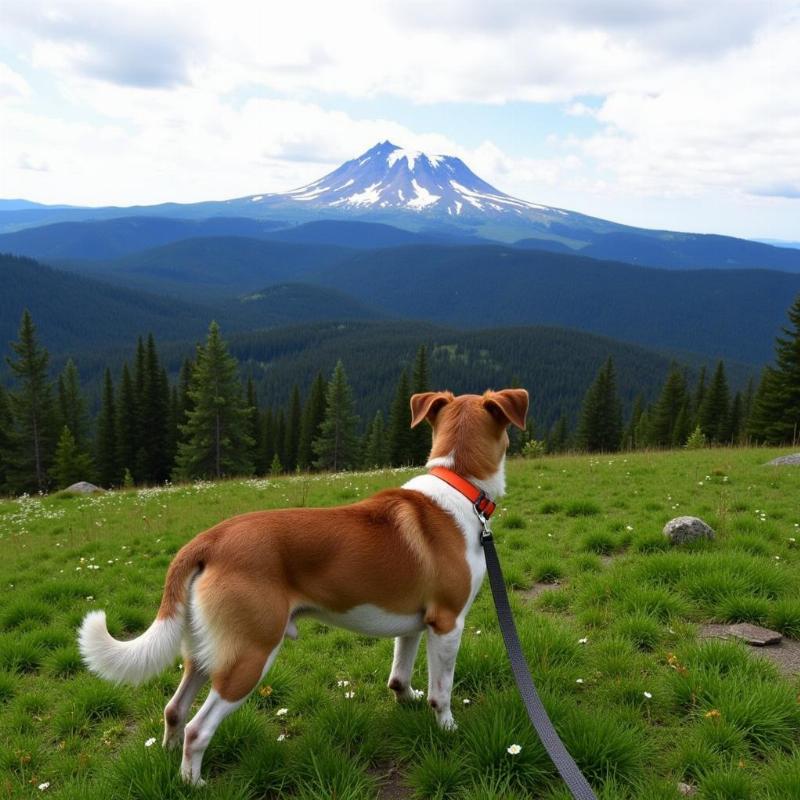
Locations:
{"points": [[482, 504]]}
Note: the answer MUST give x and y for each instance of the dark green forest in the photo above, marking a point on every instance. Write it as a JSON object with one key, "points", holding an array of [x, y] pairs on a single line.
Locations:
{"points": [[212, 423]]}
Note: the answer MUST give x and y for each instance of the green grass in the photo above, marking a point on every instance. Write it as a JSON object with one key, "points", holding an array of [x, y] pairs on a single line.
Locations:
{"points": [[639, 700]]}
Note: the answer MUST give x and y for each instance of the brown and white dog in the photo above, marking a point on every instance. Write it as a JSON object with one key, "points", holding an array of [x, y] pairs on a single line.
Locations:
{"points": [[396, 564]]}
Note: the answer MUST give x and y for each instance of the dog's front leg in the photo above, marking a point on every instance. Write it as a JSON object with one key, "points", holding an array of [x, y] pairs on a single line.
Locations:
{"points": [[442, 652], [405, 652]]}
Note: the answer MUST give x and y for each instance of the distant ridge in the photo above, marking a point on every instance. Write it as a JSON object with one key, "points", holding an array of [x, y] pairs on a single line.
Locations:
{"points": [[441, 195]]}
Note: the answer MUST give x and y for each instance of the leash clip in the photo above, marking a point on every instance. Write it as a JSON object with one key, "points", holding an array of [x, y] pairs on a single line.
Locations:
{"points": [[479, 507]]}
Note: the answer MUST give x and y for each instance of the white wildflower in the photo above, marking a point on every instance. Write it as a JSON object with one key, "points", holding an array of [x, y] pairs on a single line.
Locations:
{"points": [[514, 749]]}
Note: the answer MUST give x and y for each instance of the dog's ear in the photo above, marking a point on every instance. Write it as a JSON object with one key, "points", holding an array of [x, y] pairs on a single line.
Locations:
{"points": [[510, 406], [426, 405]]}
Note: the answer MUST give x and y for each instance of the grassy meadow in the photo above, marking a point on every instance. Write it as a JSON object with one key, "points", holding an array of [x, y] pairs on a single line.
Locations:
{"points": [[608, 613]]}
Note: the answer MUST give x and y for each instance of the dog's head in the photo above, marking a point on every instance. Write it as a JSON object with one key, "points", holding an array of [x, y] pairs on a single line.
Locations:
{"points": [[471, 430]]}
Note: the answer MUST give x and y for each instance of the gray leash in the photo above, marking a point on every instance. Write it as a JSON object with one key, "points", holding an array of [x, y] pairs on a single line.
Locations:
{"points": [[563, 761]]}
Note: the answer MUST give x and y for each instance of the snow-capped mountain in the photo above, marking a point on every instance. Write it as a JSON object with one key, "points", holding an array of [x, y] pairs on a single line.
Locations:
{"points": [[390, 183]]}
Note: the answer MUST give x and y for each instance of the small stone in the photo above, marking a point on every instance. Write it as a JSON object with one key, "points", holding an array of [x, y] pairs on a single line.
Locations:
{"points": [[686, 790], [84, 487], [687, 529], [754, 634], [792, 461]]}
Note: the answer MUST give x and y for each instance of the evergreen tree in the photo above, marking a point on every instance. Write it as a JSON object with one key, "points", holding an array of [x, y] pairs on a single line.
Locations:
{"points": [[558, 438], [254, 425], [153, 457], [291, 444], [335, 448], [267, 448], [106, 446], [33, 411], [786, 426], [400, 442], [375, 443], [699, 396], [713, 414], [600, 426], [629, 436], [767, 407], [683, 422], [71, 464], [217, 442], [6, 440], [313, 416], [127, 435], [72, 405], [280, 435], [667, 408], [420, 437], [185, 404], [735, 420]]}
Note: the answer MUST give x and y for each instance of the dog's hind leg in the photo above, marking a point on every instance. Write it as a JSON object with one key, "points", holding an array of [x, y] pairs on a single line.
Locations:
{"points": [[177, 710], [229, 689], [443, 643], [405, 652]]}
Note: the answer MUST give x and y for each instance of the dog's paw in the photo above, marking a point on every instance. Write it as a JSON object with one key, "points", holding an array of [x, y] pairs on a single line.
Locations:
{"points": [[447, 723], [409, 695]]}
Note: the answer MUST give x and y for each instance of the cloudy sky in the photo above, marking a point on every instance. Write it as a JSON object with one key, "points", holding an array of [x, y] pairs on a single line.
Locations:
{"points": [[661, 113]]}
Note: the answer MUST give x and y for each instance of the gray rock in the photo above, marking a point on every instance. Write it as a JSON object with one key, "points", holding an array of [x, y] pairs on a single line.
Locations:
{"points": [[687, 529], [755, 634], [84, 487], [792, 460]]}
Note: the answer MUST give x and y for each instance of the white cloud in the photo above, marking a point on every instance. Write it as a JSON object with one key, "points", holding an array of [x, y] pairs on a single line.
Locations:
{"points": [[162, 101]]}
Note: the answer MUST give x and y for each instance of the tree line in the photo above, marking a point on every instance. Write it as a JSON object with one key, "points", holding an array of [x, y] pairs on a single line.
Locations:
{"points": [[706, 413], [210, 424], [207, 424]]}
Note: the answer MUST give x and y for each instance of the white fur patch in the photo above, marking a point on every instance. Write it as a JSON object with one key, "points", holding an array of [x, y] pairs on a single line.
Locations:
{"points": [[133, 661], [371, 620]]}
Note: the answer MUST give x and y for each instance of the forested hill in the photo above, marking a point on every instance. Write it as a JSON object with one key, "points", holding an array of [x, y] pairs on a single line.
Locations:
{"points": [[555, 365], [734, 314], [75, 314]]}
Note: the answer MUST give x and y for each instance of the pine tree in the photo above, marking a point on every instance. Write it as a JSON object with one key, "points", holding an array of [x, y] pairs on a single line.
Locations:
{"points": [[267, 447], [106, 448], [420, 437], [254, 425], [786, 428], [713, 414], [735, 420], [154, 462], [375, 443], [280, 435], [71, 464], [127, 423], [291, 444], [217, 443], [72, 405], [185, 404], [600, 427], [699, 396], [665, 412], [33, 411], [767, 407], [400, 443], [313, 416], [335, 448], [683, 422], [6, 440], [558, 438], [629, 441]]}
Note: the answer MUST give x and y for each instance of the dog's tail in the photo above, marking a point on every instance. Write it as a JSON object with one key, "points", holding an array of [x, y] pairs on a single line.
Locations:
{"points": [[137, 660]]}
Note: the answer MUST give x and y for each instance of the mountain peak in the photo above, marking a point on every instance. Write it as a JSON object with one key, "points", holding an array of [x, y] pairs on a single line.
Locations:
{"points": [[389, 178]]}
